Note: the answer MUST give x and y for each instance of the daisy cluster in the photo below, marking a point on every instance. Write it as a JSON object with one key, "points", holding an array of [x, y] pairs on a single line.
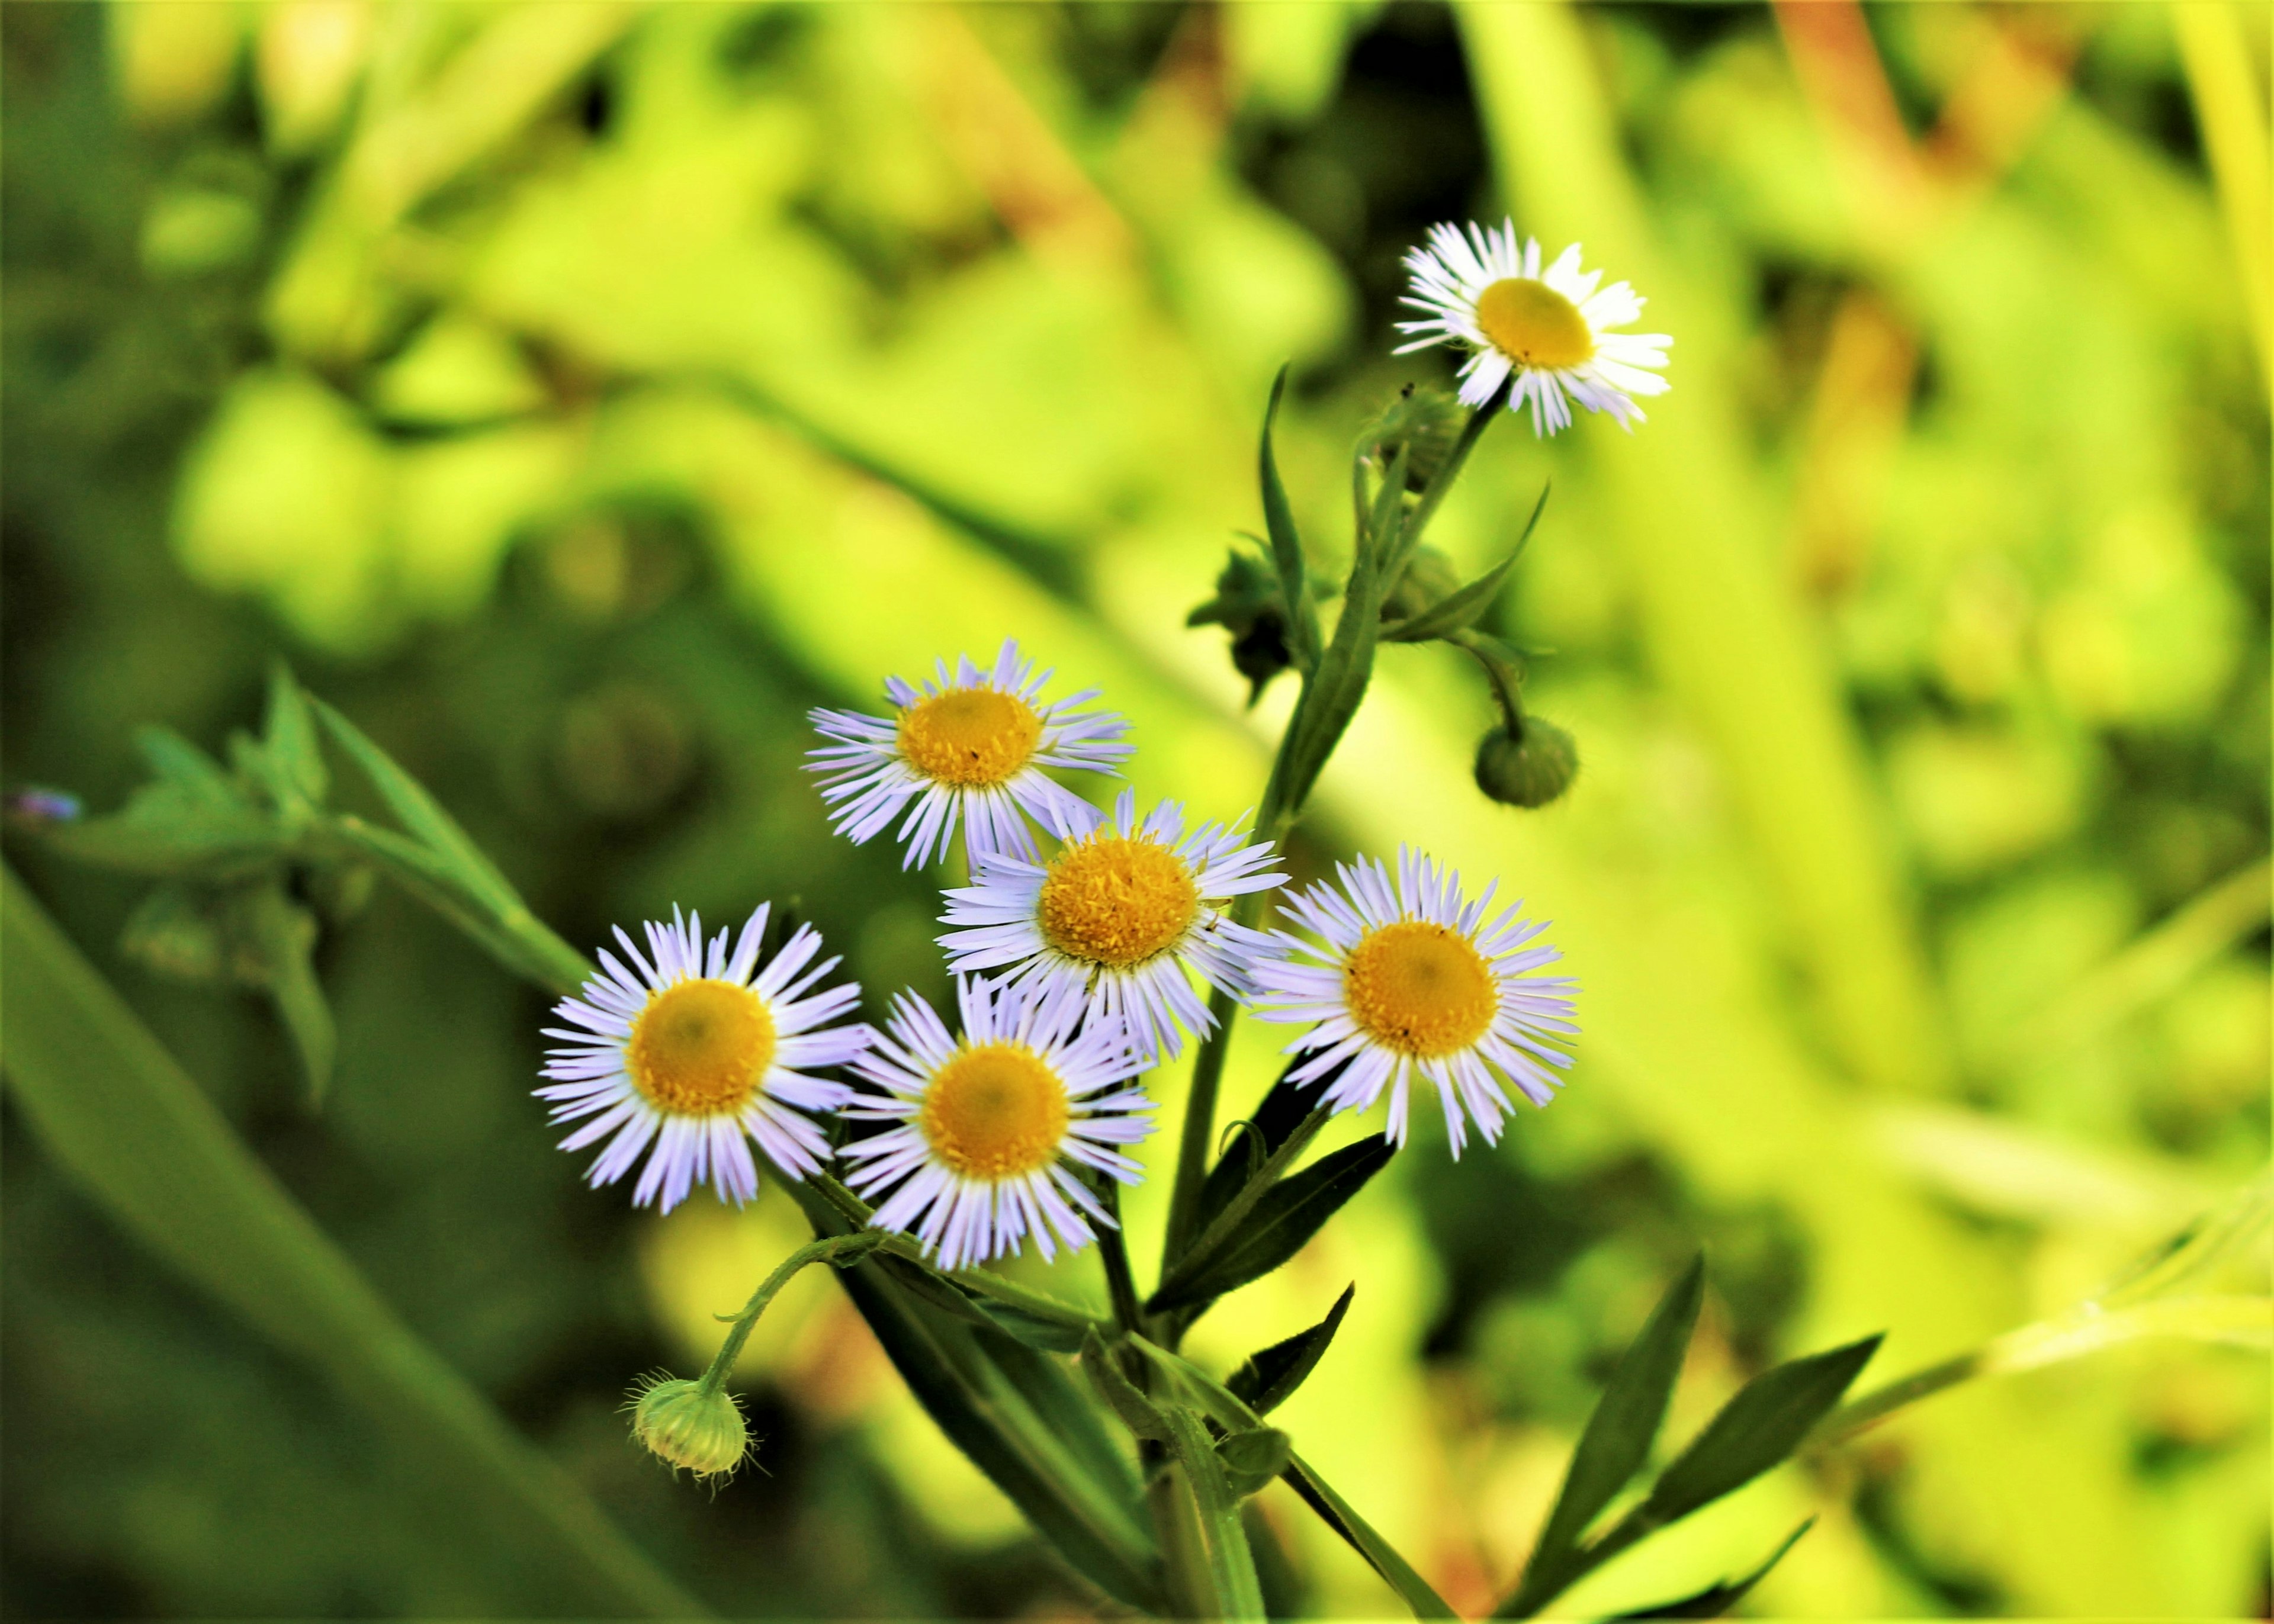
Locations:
{"points": [[1079, 948]]}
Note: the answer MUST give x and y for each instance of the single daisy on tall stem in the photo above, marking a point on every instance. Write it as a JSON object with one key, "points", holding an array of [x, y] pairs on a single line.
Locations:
{"points": [[970, 746], [1548, 329], [697, 1051], [1123, 915], [1411, 977], [995, 1126]]}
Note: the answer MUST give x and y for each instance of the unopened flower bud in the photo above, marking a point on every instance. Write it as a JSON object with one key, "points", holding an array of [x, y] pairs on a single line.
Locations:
{"points": [[1423, 421], [1529, 766], [1248, 604], [1430, 578], [688, 1426]]}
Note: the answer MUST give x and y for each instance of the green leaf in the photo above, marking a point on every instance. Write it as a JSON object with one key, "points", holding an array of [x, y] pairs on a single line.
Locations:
{"points": [[284, 933], [1620, 1432], [289, 742], [1268, 1378], [534, 952], [1252, 1458], [1138, 1412], [192, 819], [1759, 1427], [116, 1113], [1064, 1407], [1457, 610], [1231, 1565], [1250, 1142], [1716, 1599], [1288, 1214], [423, 817], [1380, 1555], [178, 930], [1286, 546]]}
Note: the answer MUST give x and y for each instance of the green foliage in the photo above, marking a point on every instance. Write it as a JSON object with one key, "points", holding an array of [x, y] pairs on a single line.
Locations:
{"points": [[1287, 1215]]}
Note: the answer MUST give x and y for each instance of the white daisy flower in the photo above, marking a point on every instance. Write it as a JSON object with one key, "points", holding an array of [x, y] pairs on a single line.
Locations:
{"points": [[991, 1123], [1411, 977], [685, 1049], [1121, 913], [972, 745], [1551, 327]]}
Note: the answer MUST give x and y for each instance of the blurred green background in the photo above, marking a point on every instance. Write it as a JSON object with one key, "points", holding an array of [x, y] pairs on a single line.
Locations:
{"points": [[573, 393]]}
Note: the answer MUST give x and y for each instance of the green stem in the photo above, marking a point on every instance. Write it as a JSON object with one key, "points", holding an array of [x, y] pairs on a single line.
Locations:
{"points": [[1226, 1222], [1113, 1250], [838, 1249], [1507, 691]]}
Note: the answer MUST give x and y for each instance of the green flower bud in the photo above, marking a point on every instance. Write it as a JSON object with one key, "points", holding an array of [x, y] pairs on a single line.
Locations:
{"points": [[1528, 766], [686, 1425], [1248, 606], [1425, 421], [1430, 578]]}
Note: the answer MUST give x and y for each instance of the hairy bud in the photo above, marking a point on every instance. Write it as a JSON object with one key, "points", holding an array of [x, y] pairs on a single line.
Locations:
{"points": [[1423, 421], [682, 1423], [1247, 604], [1528, 766]]}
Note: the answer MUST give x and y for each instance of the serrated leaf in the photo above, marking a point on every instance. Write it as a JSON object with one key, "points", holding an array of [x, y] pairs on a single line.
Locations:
{"points": [[1716, 1599], [1457, 610], [1288, 1214], [1626, 1421], [1764, 1423], [1270, 1377], [1286, 544]]}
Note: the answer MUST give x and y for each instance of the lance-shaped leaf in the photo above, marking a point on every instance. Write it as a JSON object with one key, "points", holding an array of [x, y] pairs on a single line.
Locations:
{"points": [[421, 814], [1223, 1537], [291, 750], [1415, 1592], [1716, 1599], [1286, 544], [1619, 1433], [191, 819], [1288, 1214], [1756, 1430], [1268, 1378], [1457, 610], [1249, 1142]]}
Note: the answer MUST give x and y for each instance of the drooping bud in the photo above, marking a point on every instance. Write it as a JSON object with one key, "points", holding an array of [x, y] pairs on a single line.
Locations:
{"points": [[1426, 421], [683, 1423], [1528, 765], [1247, 604]]}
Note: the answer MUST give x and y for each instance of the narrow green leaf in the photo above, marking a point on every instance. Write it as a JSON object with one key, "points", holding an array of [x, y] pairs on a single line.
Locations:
{"points": [[1716, 1599], [284, 934], [190, 819], [1415, 1592], [1138, 1412], [116, 1112], [1231, 1565], [422, 816], [1626, 1421], [1288, 1214], [1286, 544], [1253, 1458], [1251, 1140], [1064, 1407], [176, 760], [1457, 610], [1270, 1377], [289, 741], [1759, 1427]]}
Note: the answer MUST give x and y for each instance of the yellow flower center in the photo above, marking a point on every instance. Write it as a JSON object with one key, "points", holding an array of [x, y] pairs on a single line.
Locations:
{"points": [[972, 737], [1420, 988], [995, 1111], [1528, 321], [700, 1049], [1117, 901]]}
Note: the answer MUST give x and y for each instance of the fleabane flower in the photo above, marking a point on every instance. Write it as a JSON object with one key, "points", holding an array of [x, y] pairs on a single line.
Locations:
{"points": [[1411, 977], [1551, 328], [1126, 914], [992, 1124], [697, 1051], [971, 745]]}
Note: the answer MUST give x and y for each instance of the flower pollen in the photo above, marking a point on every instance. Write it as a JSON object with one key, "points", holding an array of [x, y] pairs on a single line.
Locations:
{"points": [[1116, 900], [971, 737], [1420, 989], [995, 1111], [700, 1048], [1531, 323]]}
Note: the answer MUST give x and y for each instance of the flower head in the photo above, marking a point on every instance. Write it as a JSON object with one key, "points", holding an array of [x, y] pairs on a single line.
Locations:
{"points": [[690, 1425], [1551, 328], [693, 1049], [990, 1123], [1120, 914], [972, 745], [1410, 976]]}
